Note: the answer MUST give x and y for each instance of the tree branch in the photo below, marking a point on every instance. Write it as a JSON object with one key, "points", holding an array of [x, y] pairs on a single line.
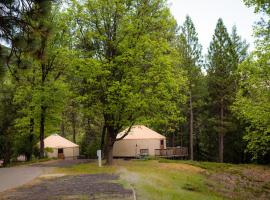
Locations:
{"points": [[126, 133]]}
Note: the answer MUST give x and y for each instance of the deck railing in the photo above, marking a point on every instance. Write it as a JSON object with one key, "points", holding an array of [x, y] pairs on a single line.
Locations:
{"points": [[144, 152], [172, 152]]}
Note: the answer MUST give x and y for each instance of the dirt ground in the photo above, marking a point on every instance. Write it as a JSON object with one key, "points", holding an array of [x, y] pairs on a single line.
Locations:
{"points": [[245, 184], [95, 186]]}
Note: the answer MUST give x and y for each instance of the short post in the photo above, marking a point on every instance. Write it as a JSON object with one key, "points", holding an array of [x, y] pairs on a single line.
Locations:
{"points": [[99, 157]]}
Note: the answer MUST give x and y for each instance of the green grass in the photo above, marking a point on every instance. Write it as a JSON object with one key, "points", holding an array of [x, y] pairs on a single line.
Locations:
{"points": [[90, 168], [180, 180], [159, 182]]}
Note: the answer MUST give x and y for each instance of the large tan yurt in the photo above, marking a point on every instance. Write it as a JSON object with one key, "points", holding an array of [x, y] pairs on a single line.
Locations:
{"points": [[61, 147], [139, 141]]}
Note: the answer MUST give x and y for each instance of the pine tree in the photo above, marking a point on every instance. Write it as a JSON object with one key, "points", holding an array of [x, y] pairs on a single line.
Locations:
{"points": [[190, 55], [221, 80], [240, 46]]}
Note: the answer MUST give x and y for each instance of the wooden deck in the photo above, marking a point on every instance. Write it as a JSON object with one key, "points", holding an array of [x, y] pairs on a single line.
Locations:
{"points": [[172, 152]]}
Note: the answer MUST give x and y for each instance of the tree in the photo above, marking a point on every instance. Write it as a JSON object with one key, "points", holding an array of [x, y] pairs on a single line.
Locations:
{"points": [[41, 89], [240, 46], [127, 71], [8, 115], [252, 105], [190, 55], [221, 80], [252, 100]]}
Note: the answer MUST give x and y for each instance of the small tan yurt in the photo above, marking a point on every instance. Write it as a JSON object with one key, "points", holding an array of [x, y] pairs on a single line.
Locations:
{"points": [[61, 147], [140, 141]]}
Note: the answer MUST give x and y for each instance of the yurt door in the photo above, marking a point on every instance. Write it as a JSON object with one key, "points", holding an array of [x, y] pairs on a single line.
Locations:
{"points": [[161, 144], [61, 154]]}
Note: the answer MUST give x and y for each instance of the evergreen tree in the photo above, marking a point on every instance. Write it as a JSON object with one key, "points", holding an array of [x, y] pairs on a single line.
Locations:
{"points": [[221, 81], [240, 46], [190, 55]]}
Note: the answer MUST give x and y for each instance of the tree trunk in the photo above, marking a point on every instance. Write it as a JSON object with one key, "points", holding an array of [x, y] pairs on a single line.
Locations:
{"points": [[62, 128], [221, 138], [42, 131], [103, 137], [191, 127], [6, 159], [109, 146], [221, 135], [109, 157], [42, 106], [173, 140], [197, 143], [74, 126], [7, 152], [31, 139]]}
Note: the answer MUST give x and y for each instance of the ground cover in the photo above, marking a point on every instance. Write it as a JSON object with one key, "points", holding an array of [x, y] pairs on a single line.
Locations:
{"points": [[151, 179]]}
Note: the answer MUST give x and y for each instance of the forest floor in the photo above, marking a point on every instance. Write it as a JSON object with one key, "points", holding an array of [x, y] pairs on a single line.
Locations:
{"points": [[149, 179]]}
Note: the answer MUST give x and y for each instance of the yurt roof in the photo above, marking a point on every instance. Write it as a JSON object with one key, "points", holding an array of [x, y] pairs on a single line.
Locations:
{"points": [[56, 141], [140, 132]]}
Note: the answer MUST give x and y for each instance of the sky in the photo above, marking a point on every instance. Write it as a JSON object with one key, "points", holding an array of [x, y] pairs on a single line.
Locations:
{"points": [[205, 13]]}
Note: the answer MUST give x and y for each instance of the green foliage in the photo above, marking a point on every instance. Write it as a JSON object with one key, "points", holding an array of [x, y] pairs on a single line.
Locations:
{"points": [[252, 105], [253, 97], [89, 148], [190, 57], [127, 72], [104, 65], [240, 46], [221, 67], [225, 54], [260, 5], [8, 115], [48, 150]]}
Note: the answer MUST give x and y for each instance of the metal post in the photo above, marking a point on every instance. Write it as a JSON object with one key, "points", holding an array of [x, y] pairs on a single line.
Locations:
{"points": [[99, 157]]}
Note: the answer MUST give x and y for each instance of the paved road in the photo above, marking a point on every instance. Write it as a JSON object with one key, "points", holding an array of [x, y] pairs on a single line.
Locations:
{"points": [[16, 176]]}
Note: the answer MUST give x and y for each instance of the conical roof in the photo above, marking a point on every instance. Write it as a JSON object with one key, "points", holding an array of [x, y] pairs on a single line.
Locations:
{"points": [[140, 132], [56, 141]]}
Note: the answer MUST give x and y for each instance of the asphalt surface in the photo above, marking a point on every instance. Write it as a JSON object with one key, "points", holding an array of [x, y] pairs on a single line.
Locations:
{"points": [[13, 177], [16, 176]]}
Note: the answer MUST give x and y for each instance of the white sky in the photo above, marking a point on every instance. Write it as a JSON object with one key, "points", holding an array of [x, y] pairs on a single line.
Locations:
{"points": [[205, 13]]}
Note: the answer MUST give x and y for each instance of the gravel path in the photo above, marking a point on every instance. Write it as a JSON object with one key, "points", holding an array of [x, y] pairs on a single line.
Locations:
{"points": [[91, 186]]}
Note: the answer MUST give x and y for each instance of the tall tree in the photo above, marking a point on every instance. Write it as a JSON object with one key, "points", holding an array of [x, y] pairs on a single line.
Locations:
{"points": [[239, 45], [8, 115], [128, 70], [221, 80], [41, 90], [252, 100], [190, 55]]}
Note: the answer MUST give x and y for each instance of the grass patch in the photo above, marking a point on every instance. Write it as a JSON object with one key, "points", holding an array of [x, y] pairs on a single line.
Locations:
{"points": [[157, 181], [185, 180], [86, 168]]}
